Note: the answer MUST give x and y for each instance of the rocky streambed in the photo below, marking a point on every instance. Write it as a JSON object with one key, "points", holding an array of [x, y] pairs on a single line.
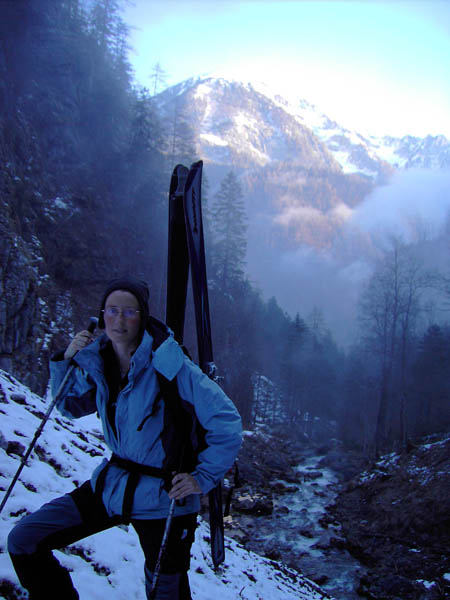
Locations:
{"points": [[281, 511], [377, 533]]}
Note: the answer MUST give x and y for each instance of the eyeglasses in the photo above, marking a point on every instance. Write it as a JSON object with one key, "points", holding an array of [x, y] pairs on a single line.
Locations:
{"points": [[113, 311]]}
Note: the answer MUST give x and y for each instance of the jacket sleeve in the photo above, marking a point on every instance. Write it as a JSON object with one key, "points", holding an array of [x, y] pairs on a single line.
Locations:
{"points": [[218, 415], [77, 396]]}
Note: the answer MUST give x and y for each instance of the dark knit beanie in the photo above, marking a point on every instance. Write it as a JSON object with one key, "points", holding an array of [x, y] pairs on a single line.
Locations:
{"points": [[135, 286]]}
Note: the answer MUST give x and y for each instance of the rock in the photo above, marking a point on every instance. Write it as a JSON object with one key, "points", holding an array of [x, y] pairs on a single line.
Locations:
{"points": [[15, 448], [338, 543], [322, 545], [19, 398], [306, 533], [3, 399], [282, 510], [291, 478], [320, 579], [266, 458], [281, 488], [273, 554], [312, 475], [254, 506]]}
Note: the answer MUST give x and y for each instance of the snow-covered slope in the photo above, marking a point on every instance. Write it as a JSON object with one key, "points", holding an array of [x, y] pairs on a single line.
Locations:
{"points": [[110, 564]]}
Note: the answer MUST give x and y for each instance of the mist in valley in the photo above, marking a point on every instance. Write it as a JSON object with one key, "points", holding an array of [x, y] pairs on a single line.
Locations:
{"points": [[413, 207]]}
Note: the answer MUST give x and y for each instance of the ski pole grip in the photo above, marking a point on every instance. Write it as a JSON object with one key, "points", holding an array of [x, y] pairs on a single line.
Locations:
{"points": [[92, 324]]}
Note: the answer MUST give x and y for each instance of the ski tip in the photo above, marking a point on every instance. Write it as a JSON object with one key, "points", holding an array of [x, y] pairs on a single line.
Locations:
{"points": [[197, 165], [178, 180]]}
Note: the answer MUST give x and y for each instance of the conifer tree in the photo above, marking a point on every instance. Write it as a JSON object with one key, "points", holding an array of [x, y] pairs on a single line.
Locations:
{"points": [[230, 226], [106, 23], [158, 78], [291, 368]]}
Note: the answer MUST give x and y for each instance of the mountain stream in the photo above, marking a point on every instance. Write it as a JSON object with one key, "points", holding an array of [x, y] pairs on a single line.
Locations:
{"points": [[301, 533]]}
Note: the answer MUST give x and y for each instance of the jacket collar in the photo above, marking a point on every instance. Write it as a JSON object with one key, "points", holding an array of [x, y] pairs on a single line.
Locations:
{"points": [[91, 361], [167, 359]]}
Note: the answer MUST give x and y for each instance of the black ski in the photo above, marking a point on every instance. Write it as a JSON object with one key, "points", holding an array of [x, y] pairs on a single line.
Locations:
{"points": [[186, 247], [178, 255], [196, 247]]}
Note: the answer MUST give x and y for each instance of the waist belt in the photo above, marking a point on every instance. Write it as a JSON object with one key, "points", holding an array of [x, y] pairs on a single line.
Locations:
{"points": [[135, 470]]}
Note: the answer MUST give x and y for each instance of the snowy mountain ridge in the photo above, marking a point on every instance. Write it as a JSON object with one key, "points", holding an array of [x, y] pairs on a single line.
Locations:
{"points": [[255, 122], [110, 564], [431, 152]]}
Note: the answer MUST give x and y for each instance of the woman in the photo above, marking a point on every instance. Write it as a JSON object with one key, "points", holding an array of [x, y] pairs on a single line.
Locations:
{"points": [[118, 375]]}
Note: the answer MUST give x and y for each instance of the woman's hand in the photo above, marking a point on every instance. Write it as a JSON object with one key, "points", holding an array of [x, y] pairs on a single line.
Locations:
{"points": [[80, 341], [183, 485]]}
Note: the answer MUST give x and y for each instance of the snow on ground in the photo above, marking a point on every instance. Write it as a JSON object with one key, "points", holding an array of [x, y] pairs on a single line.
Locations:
{"points": [[110, 564], [392, 460]]}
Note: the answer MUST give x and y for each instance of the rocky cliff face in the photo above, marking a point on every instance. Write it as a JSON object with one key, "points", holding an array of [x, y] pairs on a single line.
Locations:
{"points": [[36, 307], [18, 296], [21, 318], [35, 312]]}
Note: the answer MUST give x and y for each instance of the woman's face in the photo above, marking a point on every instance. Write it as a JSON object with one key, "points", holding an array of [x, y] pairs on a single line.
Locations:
{"points": [[119, 327]]}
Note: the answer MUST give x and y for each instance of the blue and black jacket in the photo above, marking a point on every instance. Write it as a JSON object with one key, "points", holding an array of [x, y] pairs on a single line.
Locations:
{"points": [[134, 425]]}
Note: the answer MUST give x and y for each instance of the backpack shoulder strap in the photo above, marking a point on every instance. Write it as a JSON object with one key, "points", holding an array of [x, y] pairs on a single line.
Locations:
{"points": [[168, 390], [160, 332], [187, 432]]}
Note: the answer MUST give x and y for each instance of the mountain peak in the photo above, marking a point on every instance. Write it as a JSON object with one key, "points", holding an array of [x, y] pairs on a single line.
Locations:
{"points": [[242, 125], [250, 123]]}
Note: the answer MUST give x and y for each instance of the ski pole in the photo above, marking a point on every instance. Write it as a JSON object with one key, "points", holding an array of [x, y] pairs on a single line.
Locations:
{"points": [[162, 549], [165, 537], [91, 329]]}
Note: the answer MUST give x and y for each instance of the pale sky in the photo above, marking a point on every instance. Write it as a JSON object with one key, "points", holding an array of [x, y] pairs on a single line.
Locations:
{"points": [[378, 67]]}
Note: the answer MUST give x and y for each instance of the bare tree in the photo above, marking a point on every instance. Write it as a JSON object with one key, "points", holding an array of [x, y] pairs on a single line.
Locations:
{"points": [[389, 308]]}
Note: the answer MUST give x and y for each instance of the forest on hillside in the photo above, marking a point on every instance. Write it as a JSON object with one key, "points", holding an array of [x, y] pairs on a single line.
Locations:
{"points": [[85, 164]]}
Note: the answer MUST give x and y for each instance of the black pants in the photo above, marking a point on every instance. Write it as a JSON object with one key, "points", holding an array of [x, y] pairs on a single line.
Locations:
{"points": [[79, 514]]}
